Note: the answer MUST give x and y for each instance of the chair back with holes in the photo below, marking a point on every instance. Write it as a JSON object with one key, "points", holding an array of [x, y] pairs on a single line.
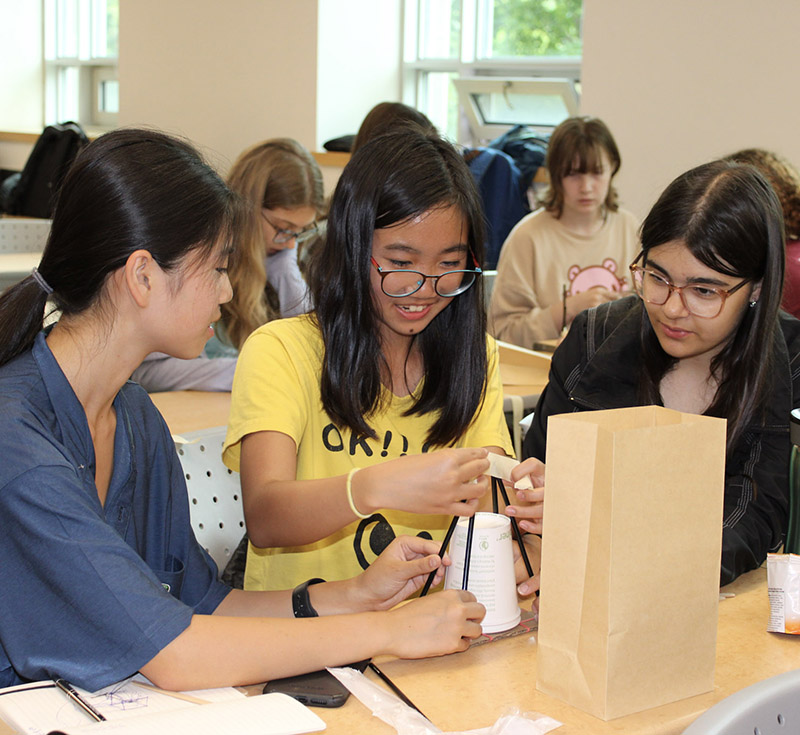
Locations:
{"points": [[766, 708], [215, 498]]}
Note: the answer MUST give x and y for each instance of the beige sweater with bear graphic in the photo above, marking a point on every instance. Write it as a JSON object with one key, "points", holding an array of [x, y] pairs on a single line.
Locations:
{"points": [[540, 257]]}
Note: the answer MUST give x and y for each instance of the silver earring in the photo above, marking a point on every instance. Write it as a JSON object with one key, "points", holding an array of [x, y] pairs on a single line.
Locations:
{"points": [[753, 303]]}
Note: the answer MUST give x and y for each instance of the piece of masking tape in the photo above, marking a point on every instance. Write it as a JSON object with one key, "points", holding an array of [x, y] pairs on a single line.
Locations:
{"points": [[500, 466]]}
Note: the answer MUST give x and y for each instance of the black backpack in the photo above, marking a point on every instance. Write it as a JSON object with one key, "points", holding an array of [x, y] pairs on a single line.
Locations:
{"points": [[31, 193], [526, 147]]}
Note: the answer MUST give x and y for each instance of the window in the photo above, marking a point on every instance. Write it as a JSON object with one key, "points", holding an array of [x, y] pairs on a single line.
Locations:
{"points": [[80, 51], [497, 43], [493, 104]]}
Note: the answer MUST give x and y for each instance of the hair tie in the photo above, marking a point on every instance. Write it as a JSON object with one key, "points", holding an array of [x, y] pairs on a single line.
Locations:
{"points": [[39, 278]]}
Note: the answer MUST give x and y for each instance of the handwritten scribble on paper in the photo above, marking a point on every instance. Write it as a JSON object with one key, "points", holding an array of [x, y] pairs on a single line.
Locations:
{"points": [[126, 700]]}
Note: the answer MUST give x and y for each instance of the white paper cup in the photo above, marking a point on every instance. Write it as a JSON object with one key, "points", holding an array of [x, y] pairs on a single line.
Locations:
{"points": [[491, 569]]}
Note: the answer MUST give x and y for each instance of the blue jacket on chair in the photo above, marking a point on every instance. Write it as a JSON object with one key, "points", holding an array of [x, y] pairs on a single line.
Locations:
{"points": [[504, 197]]}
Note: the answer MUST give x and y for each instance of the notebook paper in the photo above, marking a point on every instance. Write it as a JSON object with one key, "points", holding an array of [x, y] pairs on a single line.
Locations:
{"points": [[131, 709]]}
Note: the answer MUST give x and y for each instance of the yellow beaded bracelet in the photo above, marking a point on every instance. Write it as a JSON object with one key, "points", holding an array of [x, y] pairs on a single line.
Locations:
{"points": [[350, 493]]}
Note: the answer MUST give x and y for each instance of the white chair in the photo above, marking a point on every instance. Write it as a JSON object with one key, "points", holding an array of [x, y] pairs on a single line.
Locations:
{"points": [[770, 707], [215, 498], [21, 243]]}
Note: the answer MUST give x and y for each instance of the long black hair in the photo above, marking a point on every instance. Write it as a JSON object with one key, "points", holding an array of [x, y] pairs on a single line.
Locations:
{"points": [[388, 181], [730, 219], [130, 189]]}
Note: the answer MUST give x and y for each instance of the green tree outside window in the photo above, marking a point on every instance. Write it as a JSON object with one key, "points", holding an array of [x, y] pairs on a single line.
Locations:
{"points": [[536, 28]]}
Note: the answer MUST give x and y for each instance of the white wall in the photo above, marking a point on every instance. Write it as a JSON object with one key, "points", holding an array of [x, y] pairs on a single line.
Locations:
{"points": [[224, 74], [685, 81], [678, 82], [227, 75], [21, 95], [358, 62]]}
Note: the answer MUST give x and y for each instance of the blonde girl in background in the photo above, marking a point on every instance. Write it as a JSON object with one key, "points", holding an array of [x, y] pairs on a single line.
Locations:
{"points": [[282, 186]]}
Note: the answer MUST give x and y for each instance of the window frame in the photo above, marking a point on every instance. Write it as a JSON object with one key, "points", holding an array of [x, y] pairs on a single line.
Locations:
{"points": [[473, 62], [72, 75], [468, 88]]}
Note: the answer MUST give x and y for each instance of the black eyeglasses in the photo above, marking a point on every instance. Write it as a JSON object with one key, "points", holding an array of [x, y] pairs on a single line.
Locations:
{"points": [[400, 283], [281, 236], [703, 301]]}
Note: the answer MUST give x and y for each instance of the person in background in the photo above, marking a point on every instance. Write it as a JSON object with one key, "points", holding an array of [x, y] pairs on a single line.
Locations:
{"points": [[372, 416], [785, 179], [102, 575], [703, 334], [572, 253], [282, 186], [386, 117]]}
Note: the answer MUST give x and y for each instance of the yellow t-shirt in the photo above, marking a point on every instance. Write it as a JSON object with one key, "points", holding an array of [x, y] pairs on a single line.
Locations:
{"points": [[277, 388]]}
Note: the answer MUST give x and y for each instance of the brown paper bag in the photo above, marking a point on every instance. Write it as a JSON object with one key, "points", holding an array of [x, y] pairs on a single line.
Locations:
{"points": [[630, 558]]}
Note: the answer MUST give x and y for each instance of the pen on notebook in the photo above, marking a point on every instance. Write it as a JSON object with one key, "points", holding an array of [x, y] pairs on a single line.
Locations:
{"points": [[389, 683], [70, 691]]}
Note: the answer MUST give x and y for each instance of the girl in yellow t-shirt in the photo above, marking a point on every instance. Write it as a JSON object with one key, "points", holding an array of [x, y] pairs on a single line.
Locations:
{"points": [[373, 415]]}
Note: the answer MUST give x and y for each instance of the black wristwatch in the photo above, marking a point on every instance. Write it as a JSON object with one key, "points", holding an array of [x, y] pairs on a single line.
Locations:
{"points": [[301, 603]]}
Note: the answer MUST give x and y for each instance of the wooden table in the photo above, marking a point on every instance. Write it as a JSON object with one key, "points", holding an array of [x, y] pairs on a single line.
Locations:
{"points": [[472, 689], [524, 374], [189, 410], [16, 266]]}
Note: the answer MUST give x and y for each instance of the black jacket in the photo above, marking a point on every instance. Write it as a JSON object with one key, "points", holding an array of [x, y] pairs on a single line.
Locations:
{"points": [[596, 368]]}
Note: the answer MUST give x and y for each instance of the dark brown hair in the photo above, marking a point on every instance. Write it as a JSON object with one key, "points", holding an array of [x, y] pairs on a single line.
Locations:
{"points": [[386, 117], [130, 189], [730, 220]]}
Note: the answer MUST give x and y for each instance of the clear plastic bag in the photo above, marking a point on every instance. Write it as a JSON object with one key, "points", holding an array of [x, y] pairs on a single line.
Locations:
{"points": [[406, 721]]}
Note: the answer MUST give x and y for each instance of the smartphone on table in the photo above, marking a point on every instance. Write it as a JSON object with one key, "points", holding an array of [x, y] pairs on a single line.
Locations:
{"points": [[317, 689]]}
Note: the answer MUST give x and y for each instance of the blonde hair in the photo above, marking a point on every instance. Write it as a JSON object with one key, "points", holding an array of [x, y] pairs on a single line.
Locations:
{"points": [[275, 174]]}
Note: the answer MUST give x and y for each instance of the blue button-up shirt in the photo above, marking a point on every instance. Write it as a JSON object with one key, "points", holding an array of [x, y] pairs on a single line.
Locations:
{"points": [[83, 586]]}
